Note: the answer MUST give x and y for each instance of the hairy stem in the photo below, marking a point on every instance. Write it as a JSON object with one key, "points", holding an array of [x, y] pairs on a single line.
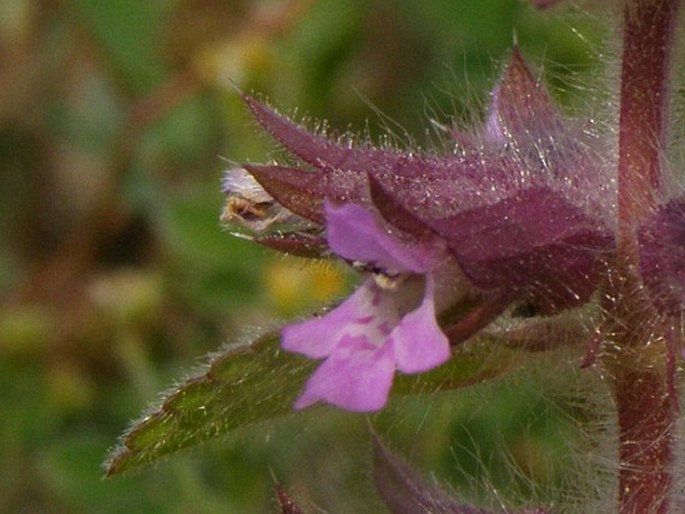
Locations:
{"points": [[647, 48], [646, 409], [646, 415]]}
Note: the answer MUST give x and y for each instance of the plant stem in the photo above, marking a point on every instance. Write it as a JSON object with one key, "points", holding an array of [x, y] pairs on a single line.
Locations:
{"points": [[646, 409], [647, 44], [646, 417]]}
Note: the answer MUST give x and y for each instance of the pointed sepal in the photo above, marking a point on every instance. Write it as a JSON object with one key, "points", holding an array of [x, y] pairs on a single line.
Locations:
{"points": [[300, 191], [534, 242], [316, 150], [521, 109]]}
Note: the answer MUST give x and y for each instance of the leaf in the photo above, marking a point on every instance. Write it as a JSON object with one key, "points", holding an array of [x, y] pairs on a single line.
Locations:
{"points": [[404, 491], [256, 382], [243, 385]]}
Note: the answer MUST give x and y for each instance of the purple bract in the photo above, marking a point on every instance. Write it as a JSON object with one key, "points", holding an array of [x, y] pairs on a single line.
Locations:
{"points": [[520, 213]]}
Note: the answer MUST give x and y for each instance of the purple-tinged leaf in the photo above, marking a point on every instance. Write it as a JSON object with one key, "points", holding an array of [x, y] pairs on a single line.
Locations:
{"points": [[404, 491], [662, 256], [310, 247], [287, 505], [534, 242]]}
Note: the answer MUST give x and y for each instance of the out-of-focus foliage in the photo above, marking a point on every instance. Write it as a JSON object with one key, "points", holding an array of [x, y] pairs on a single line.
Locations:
{"points": [[115, 276]]}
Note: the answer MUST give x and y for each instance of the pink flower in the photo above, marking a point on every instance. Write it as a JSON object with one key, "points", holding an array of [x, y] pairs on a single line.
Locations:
{"points": [[386, 325], [518, 210]]}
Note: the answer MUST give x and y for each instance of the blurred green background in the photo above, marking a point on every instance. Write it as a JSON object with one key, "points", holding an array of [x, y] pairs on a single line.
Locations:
{"points": [[117, 118]]}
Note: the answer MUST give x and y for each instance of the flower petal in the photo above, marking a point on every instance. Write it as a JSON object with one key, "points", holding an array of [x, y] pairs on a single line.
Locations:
{"points": [[418, 342], [357, 377], [366, 312], [355, 234]]}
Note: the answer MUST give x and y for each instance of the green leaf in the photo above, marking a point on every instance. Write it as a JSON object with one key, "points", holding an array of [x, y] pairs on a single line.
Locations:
{"points": [[259, 381], [243, 385]]}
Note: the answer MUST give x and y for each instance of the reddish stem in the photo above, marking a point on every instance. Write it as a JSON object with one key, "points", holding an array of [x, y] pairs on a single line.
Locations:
{"points": [[646, 416], [644, 399], [647, 44]]}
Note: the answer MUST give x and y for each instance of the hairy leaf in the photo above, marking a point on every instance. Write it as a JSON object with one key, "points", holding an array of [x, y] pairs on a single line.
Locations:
{"points": [[256, 382], [404, 491], [243, 385]]}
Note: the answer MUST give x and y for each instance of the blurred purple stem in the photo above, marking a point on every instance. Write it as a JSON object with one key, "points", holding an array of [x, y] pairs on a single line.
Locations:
{"points": [[646, 410]]}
